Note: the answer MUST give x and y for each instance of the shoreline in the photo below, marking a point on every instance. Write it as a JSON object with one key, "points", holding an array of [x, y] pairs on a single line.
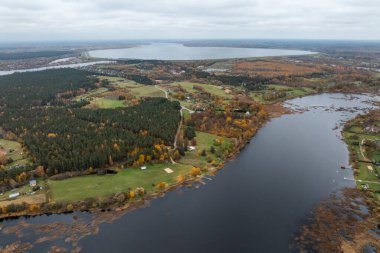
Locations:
{"points": [[354, 159], [112, 213], [140, 201], [275, 110]]}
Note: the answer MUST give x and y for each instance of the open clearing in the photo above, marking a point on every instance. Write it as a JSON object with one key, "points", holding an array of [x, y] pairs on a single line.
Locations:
{"points": [[28, 199], [91, 93], [102, 186], [213, 89], [147, 91], [14, 150], [121, 82], [107, 103], [291, 92], [93, 186], [364, 173], [204, 142]]}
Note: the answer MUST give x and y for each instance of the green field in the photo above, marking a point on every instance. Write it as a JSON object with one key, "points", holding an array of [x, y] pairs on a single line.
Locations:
{"points": [[213, 89], [364, 173], [226, 64], [147, 91], [107, 103], [79, 188], [205, 141], [292, 92], [14, 151], [91, 94], [121, 82], [186, 114], [94, 186]]}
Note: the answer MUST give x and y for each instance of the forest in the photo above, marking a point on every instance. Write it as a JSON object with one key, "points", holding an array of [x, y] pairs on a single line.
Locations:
{"points": [[63, 139], [68, 138], [23, 90], [31, 55]]}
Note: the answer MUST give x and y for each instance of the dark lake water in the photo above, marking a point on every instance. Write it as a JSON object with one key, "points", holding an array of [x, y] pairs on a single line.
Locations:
{"points": [[255, 204], [174, 51]]}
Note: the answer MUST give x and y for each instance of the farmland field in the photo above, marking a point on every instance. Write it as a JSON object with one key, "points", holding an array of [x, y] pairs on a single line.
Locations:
{"points": [[102, 186]]}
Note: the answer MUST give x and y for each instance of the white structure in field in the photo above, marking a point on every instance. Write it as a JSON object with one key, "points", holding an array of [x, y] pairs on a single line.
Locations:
{"points": [[14, 195]]}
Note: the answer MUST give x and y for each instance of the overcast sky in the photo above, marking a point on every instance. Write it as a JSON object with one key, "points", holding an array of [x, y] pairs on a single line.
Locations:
{"points": [[176, 19]]}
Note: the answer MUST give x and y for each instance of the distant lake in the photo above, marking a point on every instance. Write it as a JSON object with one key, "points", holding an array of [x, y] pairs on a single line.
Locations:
{"points": [[174, 51], [73, 65]]}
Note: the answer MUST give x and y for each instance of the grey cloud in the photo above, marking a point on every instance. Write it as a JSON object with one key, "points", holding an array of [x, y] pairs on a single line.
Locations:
{"points": [[127, 19]]}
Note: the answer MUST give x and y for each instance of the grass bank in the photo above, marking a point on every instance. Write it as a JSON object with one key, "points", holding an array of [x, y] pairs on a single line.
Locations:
{"points": [[362, 157]]}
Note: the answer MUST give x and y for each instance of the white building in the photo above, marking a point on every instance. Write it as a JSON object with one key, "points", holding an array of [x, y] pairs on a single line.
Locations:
{"points": [[33, 183], [14, 195]]}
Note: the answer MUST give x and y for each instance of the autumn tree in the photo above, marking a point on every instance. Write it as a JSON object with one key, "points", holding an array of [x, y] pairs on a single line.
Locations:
{"points": [[195, 171], [161, 186]]}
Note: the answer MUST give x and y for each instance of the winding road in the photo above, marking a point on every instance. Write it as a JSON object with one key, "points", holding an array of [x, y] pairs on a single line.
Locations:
{"points": [[180, 123]]}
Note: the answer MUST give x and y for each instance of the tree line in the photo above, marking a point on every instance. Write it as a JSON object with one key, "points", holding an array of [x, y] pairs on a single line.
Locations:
{"points": [[31, 55], [24, 90], [70, 138]]}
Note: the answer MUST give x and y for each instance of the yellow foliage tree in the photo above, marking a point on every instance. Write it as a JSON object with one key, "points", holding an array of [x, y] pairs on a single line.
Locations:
{"points": [[110, 160], [161, 185], [116, 146], [195, 171], [40, 172], [180, 178], [158, 147], [132, 194], [140, 191], [141, 159], [22, 177], [34, 207], [52, 135]]}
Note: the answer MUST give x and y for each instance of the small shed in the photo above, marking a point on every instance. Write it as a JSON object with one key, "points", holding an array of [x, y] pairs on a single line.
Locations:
{"points": [[168, 170], [192, 148], [143, 167], [14, 195], [32, 183]]}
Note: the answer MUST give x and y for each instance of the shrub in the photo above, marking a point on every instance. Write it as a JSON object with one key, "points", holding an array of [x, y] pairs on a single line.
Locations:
{"points": [[195, 171], [161, 185]]}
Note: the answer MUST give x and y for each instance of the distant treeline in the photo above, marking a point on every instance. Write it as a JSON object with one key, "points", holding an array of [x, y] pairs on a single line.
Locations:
{"points": [[137, 61], [31, 55], [250, 83], [140, 79], [23, 90]]}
